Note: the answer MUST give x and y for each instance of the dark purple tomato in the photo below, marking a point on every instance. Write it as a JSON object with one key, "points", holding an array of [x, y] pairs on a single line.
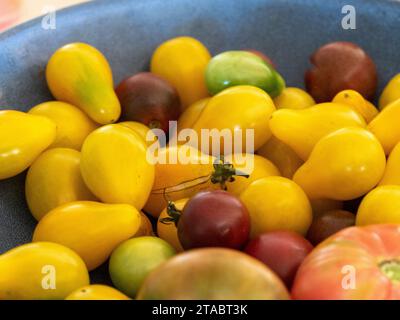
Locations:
{"points": [[262, 56], [214, 219], [281, 251], [148, 99], [328, 223], [339, 66]]}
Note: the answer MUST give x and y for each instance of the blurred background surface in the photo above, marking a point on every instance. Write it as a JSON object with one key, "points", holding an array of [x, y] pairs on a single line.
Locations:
{"points": [[14, 12]]}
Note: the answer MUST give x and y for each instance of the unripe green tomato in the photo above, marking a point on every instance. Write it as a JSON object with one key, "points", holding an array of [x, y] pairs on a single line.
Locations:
{"points": [[134, 259], [232, 68]]}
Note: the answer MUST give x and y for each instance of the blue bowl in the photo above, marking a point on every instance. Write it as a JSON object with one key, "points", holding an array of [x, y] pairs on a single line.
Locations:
{"points": [[127, 32]]}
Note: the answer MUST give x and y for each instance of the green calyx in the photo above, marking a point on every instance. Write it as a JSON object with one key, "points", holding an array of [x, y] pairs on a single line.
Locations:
{"points": [[225, 172], [173, 214], [391, 269]]}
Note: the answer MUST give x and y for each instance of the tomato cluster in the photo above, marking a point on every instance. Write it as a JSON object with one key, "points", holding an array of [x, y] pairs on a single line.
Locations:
{"points": [[321, 168]]}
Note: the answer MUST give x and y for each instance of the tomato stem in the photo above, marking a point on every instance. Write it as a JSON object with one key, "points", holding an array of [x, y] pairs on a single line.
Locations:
{"points": [[173, 214], [225, 172]]}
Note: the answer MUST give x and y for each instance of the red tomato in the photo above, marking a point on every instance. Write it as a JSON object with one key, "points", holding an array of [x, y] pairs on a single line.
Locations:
{"points": [[339, 66], [282, 251], [360, 263], [214, 219]]}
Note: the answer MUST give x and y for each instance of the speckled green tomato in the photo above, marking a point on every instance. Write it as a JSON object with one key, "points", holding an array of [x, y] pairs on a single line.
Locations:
{"points": [[134, 259], [232, 68]]}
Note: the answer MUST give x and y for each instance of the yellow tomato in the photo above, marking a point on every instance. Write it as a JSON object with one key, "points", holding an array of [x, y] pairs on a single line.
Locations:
{"points": [[54, 179], [175, 179], [391, 92], [237, 109], [73, 125], [168, 231], [293, 98], [191, 114], [142, 130], [357, 102], [286, 160], [79, 74], [372, 107], [97, 292], [381, 205], [115, 167], [182, 61], [22, 138], [385, 126], [41, 270], [277, 203], [392, 170], [255, 166], [343, 165], [302, 129], [145, 228], [91, 229]]}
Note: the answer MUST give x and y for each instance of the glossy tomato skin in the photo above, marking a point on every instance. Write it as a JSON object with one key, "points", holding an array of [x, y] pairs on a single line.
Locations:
{"points": [[149, 99], [281, 251], [328, 223], [339, 66], [214, 219], [349, 266], [262, 56], [212, 274]]}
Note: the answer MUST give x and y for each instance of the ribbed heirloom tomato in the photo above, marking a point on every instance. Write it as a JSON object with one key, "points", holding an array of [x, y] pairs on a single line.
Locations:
{"points": [[356, 263]]}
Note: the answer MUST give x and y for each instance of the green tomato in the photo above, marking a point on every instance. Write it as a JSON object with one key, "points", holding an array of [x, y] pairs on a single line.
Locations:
{"points": [[134, 259], [279, 86], [232, 68]]}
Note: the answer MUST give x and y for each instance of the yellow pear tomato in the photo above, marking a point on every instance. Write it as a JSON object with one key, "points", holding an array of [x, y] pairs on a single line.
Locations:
{"points": [[343, 165], [115, 167], [182, 61], [380, 206], [97, 292], [79, 74], [23, 137], [54, 179], [191, 114], [91, 229], [142, 130], [391, 92], [392, 170], [254, 165], [176, 179], [286, 160], [73, 125], [145, 228], [168, 231], [41, 271], [302, 129], [385, 126], [294, 98], [357, 102], [234, 110], [277, 203]]}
